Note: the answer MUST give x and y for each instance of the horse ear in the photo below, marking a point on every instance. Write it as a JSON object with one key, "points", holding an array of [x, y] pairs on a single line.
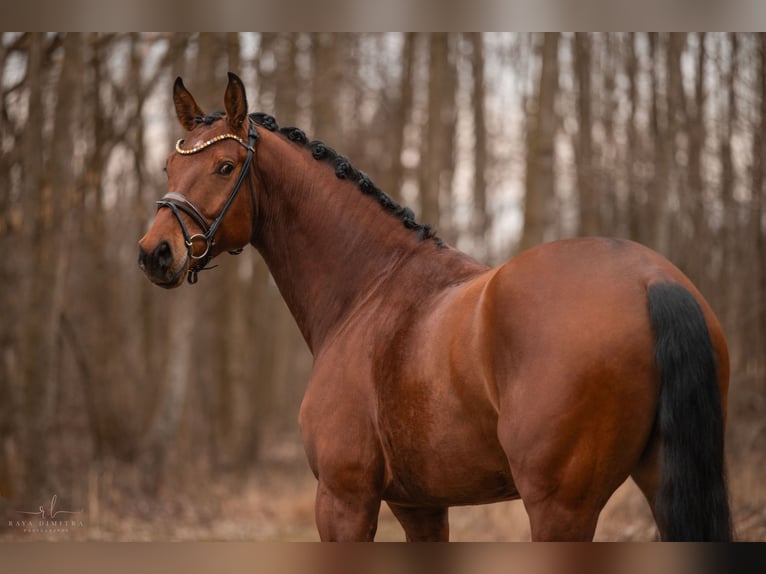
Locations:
{"points": [[187, 109], [235, 101]]}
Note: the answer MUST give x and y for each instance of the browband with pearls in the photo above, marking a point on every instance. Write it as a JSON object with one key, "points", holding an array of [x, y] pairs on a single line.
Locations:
{"points": [[200, 146]]}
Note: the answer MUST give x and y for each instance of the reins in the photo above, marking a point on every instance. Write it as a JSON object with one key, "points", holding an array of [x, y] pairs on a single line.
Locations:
{"points": [[178, 203]]}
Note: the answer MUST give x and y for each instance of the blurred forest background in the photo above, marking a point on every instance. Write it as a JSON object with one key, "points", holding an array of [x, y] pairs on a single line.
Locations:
{"points": [[168, 415]]}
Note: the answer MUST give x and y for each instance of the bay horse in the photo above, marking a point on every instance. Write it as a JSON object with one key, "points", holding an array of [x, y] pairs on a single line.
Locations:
{"points": [[438, 381]]}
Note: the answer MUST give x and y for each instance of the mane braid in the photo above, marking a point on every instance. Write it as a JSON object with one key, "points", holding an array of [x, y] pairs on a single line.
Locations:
{"points": [[344, 170], [209, 119]]}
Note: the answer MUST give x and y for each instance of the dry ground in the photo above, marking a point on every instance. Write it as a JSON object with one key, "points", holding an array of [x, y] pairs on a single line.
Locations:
{"points": [[275, 503], [278, 505]]}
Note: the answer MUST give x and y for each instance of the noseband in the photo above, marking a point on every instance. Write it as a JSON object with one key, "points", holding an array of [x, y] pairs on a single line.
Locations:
{"points": [[178, 203]]}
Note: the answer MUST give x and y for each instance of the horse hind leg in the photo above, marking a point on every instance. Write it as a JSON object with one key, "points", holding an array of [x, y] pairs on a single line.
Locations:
{"points": [[562, 483], [346, 514], [647, 476], [557, 518], [422, 524]]}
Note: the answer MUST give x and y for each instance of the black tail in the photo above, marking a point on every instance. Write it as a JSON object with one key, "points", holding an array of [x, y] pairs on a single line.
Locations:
{"points": [[692, 502]]}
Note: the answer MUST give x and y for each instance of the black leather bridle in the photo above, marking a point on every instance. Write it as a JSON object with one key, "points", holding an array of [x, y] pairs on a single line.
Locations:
{"points": [[178, 203]]}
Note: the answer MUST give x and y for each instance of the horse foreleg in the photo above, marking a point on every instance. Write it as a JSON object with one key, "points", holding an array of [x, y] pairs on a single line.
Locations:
{"points": [[346, 514], [422, 524]]}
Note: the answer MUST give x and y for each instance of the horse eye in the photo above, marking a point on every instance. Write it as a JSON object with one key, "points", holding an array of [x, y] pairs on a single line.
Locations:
{"points": [[225, 168]]}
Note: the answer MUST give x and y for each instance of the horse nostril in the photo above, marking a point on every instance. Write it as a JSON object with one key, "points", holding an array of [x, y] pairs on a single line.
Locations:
{"points": [[142, 257], [164, 255], [158, 262]]}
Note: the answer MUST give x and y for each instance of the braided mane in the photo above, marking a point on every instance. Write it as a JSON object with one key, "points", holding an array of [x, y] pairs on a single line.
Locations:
{"points": [[343, 170]]}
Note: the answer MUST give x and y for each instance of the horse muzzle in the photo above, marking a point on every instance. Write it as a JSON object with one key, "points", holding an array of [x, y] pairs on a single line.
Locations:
{"points": [[159, 265]]}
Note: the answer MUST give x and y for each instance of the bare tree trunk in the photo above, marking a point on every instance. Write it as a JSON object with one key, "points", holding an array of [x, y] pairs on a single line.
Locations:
{"points": [[435, 175], [482, 219], [233, 52], [328, 82], [37, 351], [11, 278], [732, 258], [447, 152], [586, 190], [660, 185], [540, 177], [698, 243], [607, 212], [260, 337], [636, 193], [168, 411], [89, 200], [287, 88], [402, 117], [429, 159], [265, 73], [677, 114], [50, 189], [756, 224]]}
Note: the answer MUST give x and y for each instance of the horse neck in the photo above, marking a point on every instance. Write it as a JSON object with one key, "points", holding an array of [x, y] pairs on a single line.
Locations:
{"points": [[327, 245]]}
